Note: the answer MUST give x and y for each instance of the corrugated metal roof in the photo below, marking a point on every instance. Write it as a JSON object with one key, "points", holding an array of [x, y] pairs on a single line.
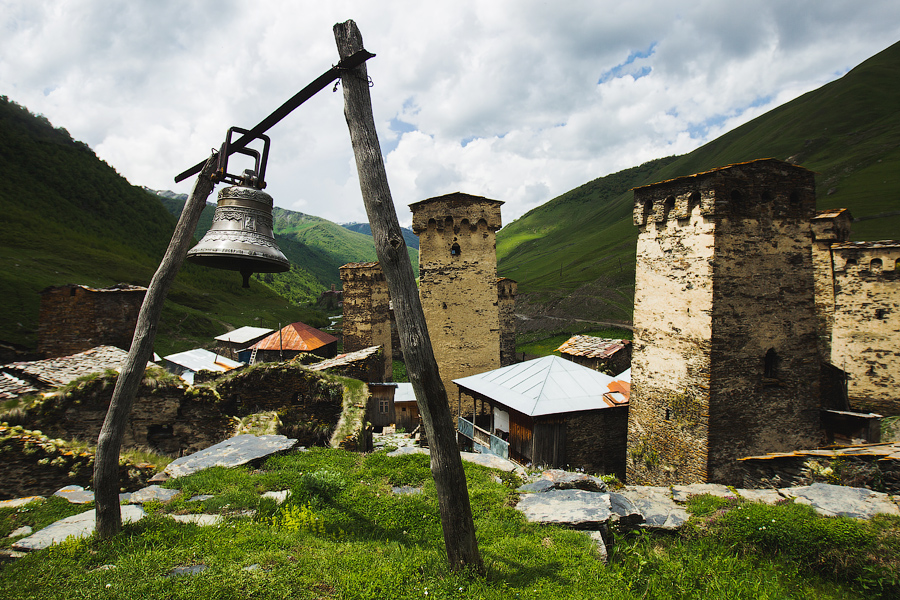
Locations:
{"points": [[543, 386], [296, 336], [200, 359], [592, 347], [242, 335]]}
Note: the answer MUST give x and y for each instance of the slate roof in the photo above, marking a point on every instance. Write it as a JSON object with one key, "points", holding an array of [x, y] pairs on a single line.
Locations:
{"points": [[297, 337], [592, 347], [56, 372], [342, 360], [242, 335], [543, 386]]}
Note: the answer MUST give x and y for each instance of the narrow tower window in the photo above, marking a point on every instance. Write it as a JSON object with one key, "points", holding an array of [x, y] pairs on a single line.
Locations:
{"points": [[770, 368], [454, 250]]}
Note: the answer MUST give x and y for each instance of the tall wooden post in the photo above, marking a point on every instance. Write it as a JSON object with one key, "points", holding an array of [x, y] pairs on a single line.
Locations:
{"points": [[446, 464], [106, 463]]}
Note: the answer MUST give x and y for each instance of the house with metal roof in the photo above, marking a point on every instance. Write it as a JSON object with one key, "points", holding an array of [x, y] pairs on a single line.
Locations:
{"points": [[549, 412], [290, 341], [232, 343], [187, 364]]}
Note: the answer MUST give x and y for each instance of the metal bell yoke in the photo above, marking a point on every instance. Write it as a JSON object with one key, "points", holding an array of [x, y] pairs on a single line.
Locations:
{"points": [[241, 237]]}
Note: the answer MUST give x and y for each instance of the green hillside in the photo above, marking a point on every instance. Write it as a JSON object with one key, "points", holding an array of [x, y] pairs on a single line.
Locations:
{"points": [[72, 219], [575, 255], [316, 247]]}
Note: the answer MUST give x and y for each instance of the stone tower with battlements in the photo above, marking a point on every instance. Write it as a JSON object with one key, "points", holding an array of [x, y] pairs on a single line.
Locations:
{"points": [[458, 283], [725, 361], [367, 320]]}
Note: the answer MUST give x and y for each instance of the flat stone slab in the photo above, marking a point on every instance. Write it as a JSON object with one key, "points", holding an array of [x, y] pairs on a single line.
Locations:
{"points": [[17, 502], [492, 461], [576, 509], [200, 497], [657, 506], [80, 525], [406, 490], [567, 480], [681, 493], [21, 531], [408, 450], [278, 496], [764, 496], [75, 494], [153, 492], [235, 451], [536, 487], [202, 520], [835, 500], [191, 570]]}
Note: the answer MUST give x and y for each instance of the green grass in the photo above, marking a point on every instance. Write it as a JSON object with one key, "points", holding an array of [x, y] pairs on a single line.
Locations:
{"points": [[343, 534]]}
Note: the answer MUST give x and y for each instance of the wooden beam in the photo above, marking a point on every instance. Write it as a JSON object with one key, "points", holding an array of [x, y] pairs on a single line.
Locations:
{"points": [[446, 463]]}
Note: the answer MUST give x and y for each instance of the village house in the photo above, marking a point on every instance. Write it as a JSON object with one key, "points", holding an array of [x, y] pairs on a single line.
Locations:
{"points": [[232, 343], [601, 354], [289, 342], [549, 412], [190, 362]]}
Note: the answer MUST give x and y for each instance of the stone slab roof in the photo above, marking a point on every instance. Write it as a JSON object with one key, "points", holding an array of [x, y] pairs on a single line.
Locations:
{"points": [[592, 347], [56, 372], [342, 360]]}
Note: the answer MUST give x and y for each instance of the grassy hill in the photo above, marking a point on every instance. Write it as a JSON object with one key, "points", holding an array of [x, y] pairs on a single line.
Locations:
{"points": [[72, 219], [316, 247], [575, 255], [412, 240]]}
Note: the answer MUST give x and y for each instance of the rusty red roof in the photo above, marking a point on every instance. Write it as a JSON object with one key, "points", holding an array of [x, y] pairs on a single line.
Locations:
{"points": [[296, 336], [592, 347]]}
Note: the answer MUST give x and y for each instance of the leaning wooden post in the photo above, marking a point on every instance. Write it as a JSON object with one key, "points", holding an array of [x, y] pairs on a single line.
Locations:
{"points": [[446, 464], [106, 462]]}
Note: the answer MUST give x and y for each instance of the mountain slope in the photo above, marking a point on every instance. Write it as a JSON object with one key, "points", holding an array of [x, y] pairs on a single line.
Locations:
{"points": [[574, 256], [72, 219], [412, 240]]}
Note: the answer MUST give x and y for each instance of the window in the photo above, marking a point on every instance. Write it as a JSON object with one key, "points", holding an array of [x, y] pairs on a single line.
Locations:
{"points": [[454, 250], [383, 406], [667, 208], [876, 265], [770, 368]]}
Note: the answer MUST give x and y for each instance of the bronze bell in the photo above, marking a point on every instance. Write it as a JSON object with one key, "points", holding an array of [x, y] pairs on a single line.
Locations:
{"points": [[241, 237]]}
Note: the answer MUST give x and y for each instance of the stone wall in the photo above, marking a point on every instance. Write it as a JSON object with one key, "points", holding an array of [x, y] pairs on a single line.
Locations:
{"points": [[458, 282], [172, 419], [725, 360], [33, 464], [595, 441], [866, 333], [367, 320], [74, 318]]}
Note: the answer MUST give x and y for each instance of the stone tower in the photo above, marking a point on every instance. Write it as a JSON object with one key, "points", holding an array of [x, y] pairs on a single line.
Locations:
{"points": [[367, 320], [506, 304], [828, 227], [725, 361], [458, 282]]}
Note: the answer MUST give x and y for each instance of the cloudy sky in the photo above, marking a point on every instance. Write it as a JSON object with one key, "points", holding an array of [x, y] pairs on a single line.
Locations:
{"points": [[516, 100]]}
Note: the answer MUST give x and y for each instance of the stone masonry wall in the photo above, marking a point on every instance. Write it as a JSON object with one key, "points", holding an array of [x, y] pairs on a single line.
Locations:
{"points": [[866, 333], [367, 320], [724, 275], [458, 282], [595, 441], [75, 318]]}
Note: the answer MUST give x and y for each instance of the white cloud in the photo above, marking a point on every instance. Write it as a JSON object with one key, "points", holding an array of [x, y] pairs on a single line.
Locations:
{"points": [[515, 100]]}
